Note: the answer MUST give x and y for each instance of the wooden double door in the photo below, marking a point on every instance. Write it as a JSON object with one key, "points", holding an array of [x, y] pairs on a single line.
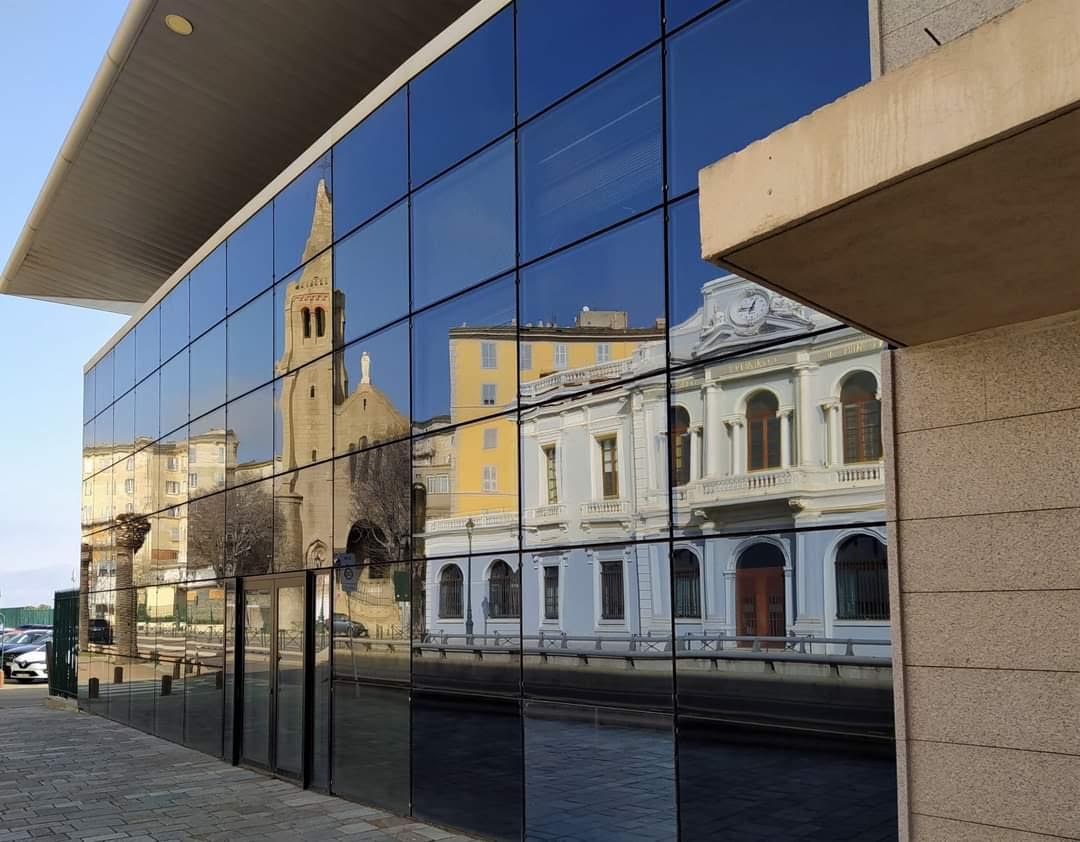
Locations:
{"points": [[759, 600]]}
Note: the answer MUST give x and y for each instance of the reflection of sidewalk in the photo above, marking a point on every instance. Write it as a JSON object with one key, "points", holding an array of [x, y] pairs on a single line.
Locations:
{"points": [[146, 788], [15, 695]]}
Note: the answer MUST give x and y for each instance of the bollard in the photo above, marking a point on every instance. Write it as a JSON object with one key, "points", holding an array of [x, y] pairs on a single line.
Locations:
{"points": [[219, 680], [166, 685], [118, 675], [93, 688], [176, 670]]}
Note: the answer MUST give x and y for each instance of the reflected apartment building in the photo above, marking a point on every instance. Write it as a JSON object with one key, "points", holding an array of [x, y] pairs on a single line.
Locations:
{"points": [[450, 453]]}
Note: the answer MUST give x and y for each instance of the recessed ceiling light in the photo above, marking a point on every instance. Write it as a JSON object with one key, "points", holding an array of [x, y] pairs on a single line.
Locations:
{"points": [[179, 24]]}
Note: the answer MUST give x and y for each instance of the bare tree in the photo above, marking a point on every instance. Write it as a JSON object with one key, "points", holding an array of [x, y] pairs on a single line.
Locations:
{"points": [[380, 510], [233, 532]]}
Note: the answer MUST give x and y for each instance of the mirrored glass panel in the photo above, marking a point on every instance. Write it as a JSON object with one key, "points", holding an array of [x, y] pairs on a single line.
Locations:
{"points": [[147, 410], [303, 224], [249, 529], [89, 394], [174, 320], [372, 504], [371, 165], [465, 357], [467, 485], [103, 439], [203, 606], [250, 345], [209, 443], [575, 339], [205, 532], [595, 466], [104, 380], [784, 633], [371, 274], [304, 316], [172, 456], [206, 290], [373, 375], [624, 760], [464, 99], [720, 60], [124, 427], [558, 49], [678, 12], [174, 392], [249, 446], [123, 362], [147, 345], [593, 160], [303, 518], [304, 412], [463, 225], [250, 259], [207, 360]]}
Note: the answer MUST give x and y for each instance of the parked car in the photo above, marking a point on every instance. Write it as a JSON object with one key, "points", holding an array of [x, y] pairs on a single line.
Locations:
{"points": [[345, 627], [99, 631], [25, 642], [30, 666]]}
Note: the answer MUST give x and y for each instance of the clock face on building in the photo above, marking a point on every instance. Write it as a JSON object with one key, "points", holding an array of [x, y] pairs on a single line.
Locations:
{"points": [[749, 310]]}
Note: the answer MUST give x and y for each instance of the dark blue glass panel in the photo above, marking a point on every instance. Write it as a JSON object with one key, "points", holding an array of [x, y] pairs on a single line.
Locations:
{"points": [[147, 345], [174, 320], [124, 424], [490, 311], [593, 160], [208, 371], [250, 256], [303, 315], [371, 165], [251, 420], [303, 224], [463, 225], [371, 271], [147, 411], [251, 345], [725, 90], [206, 286], [464, 100], [89, 394], [678, 12], [174, 392], [124, 364], [688, 271], [559, 49], [375, 407], [103, 380]]}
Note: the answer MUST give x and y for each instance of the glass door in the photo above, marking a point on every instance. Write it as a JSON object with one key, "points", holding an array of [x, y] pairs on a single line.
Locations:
{"points": [[289, 678], [258, 649]]}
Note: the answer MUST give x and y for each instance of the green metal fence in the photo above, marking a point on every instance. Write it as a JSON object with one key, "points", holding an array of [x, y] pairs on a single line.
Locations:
{"points": [[64, 649], [27, 616]]}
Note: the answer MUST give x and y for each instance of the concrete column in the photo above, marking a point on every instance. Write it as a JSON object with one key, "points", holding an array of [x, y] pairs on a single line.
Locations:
{"points": [[737, 463], [131, 531], [836, 435], [695, 452], [803, 421], [785, 438], [715, 430], [650, 449]]}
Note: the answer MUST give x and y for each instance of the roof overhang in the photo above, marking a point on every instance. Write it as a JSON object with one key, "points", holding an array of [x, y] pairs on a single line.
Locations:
{"points": [[176, 134], [940, 199]]}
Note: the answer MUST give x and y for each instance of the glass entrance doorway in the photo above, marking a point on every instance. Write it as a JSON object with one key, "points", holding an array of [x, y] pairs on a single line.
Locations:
{"points": [[273, 690]]}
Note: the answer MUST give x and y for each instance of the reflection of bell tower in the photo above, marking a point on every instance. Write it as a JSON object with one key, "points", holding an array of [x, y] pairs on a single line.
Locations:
{"points": [[308, 318]]}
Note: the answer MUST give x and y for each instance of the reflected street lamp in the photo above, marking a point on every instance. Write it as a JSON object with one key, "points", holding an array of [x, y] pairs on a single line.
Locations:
{"points": [[469, 526]]}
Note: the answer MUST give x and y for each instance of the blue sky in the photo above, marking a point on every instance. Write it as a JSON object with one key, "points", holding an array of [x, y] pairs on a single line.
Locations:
{"points": [[49, 52]]}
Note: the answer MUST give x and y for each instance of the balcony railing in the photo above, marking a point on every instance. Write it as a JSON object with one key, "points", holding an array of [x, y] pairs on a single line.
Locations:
{"points": [[482, 520], [605, 509], [788, 482], [540, 515], [578, 377]]}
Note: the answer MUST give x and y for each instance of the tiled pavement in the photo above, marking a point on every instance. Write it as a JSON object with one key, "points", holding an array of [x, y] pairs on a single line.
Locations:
{"points": [[66, 775]]}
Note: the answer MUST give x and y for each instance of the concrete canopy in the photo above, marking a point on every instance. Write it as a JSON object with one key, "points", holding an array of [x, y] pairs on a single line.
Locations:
{"points": [[935, 201], [177, 133]]}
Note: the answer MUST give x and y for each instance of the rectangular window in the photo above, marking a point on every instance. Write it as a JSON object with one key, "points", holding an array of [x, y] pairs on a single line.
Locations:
{"points": [[193, 480], [491, 438], [130, 508], [551, 593], [487, 394], [172, 487], [490, 478], [611, 590], [609, 467], [174, 534], [129, 486], [129, 463], [487, 355], [525, 356], [550, 467], [862, 590], [559, 355], [603, 352], [172, 463], [438, 484]]}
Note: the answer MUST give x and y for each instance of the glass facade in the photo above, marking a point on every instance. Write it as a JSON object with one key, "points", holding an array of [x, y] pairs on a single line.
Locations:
{"points": [[455, 482]]}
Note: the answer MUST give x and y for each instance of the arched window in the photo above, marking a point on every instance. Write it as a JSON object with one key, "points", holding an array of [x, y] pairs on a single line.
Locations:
{"points": [[762, 432], [450, 591], [504, 591], [680, 445], [862, 579], [686, 573], [862, 418], [320, 321], [305, 317]]}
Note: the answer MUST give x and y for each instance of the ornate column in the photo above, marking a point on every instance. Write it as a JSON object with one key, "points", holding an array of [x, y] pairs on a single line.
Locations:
{"points": [[803, 408], [712, 422], [650, 450], [131, 531], [695, 452], [785, 437], [836, 435], [737, 465]]}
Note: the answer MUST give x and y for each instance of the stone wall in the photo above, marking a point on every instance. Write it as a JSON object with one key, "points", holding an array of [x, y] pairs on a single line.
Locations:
{"points": [[985, 537]]}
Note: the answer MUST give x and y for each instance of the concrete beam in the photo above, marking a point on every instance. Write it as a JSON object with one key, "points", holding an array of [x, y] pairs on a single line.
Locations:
{"points": [[932, 202]]}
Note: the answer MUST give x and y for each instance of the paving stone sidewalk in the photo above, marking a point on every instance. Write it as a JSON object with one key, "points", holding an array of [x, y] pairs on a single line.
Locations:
{"points": [[67, 775]]}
